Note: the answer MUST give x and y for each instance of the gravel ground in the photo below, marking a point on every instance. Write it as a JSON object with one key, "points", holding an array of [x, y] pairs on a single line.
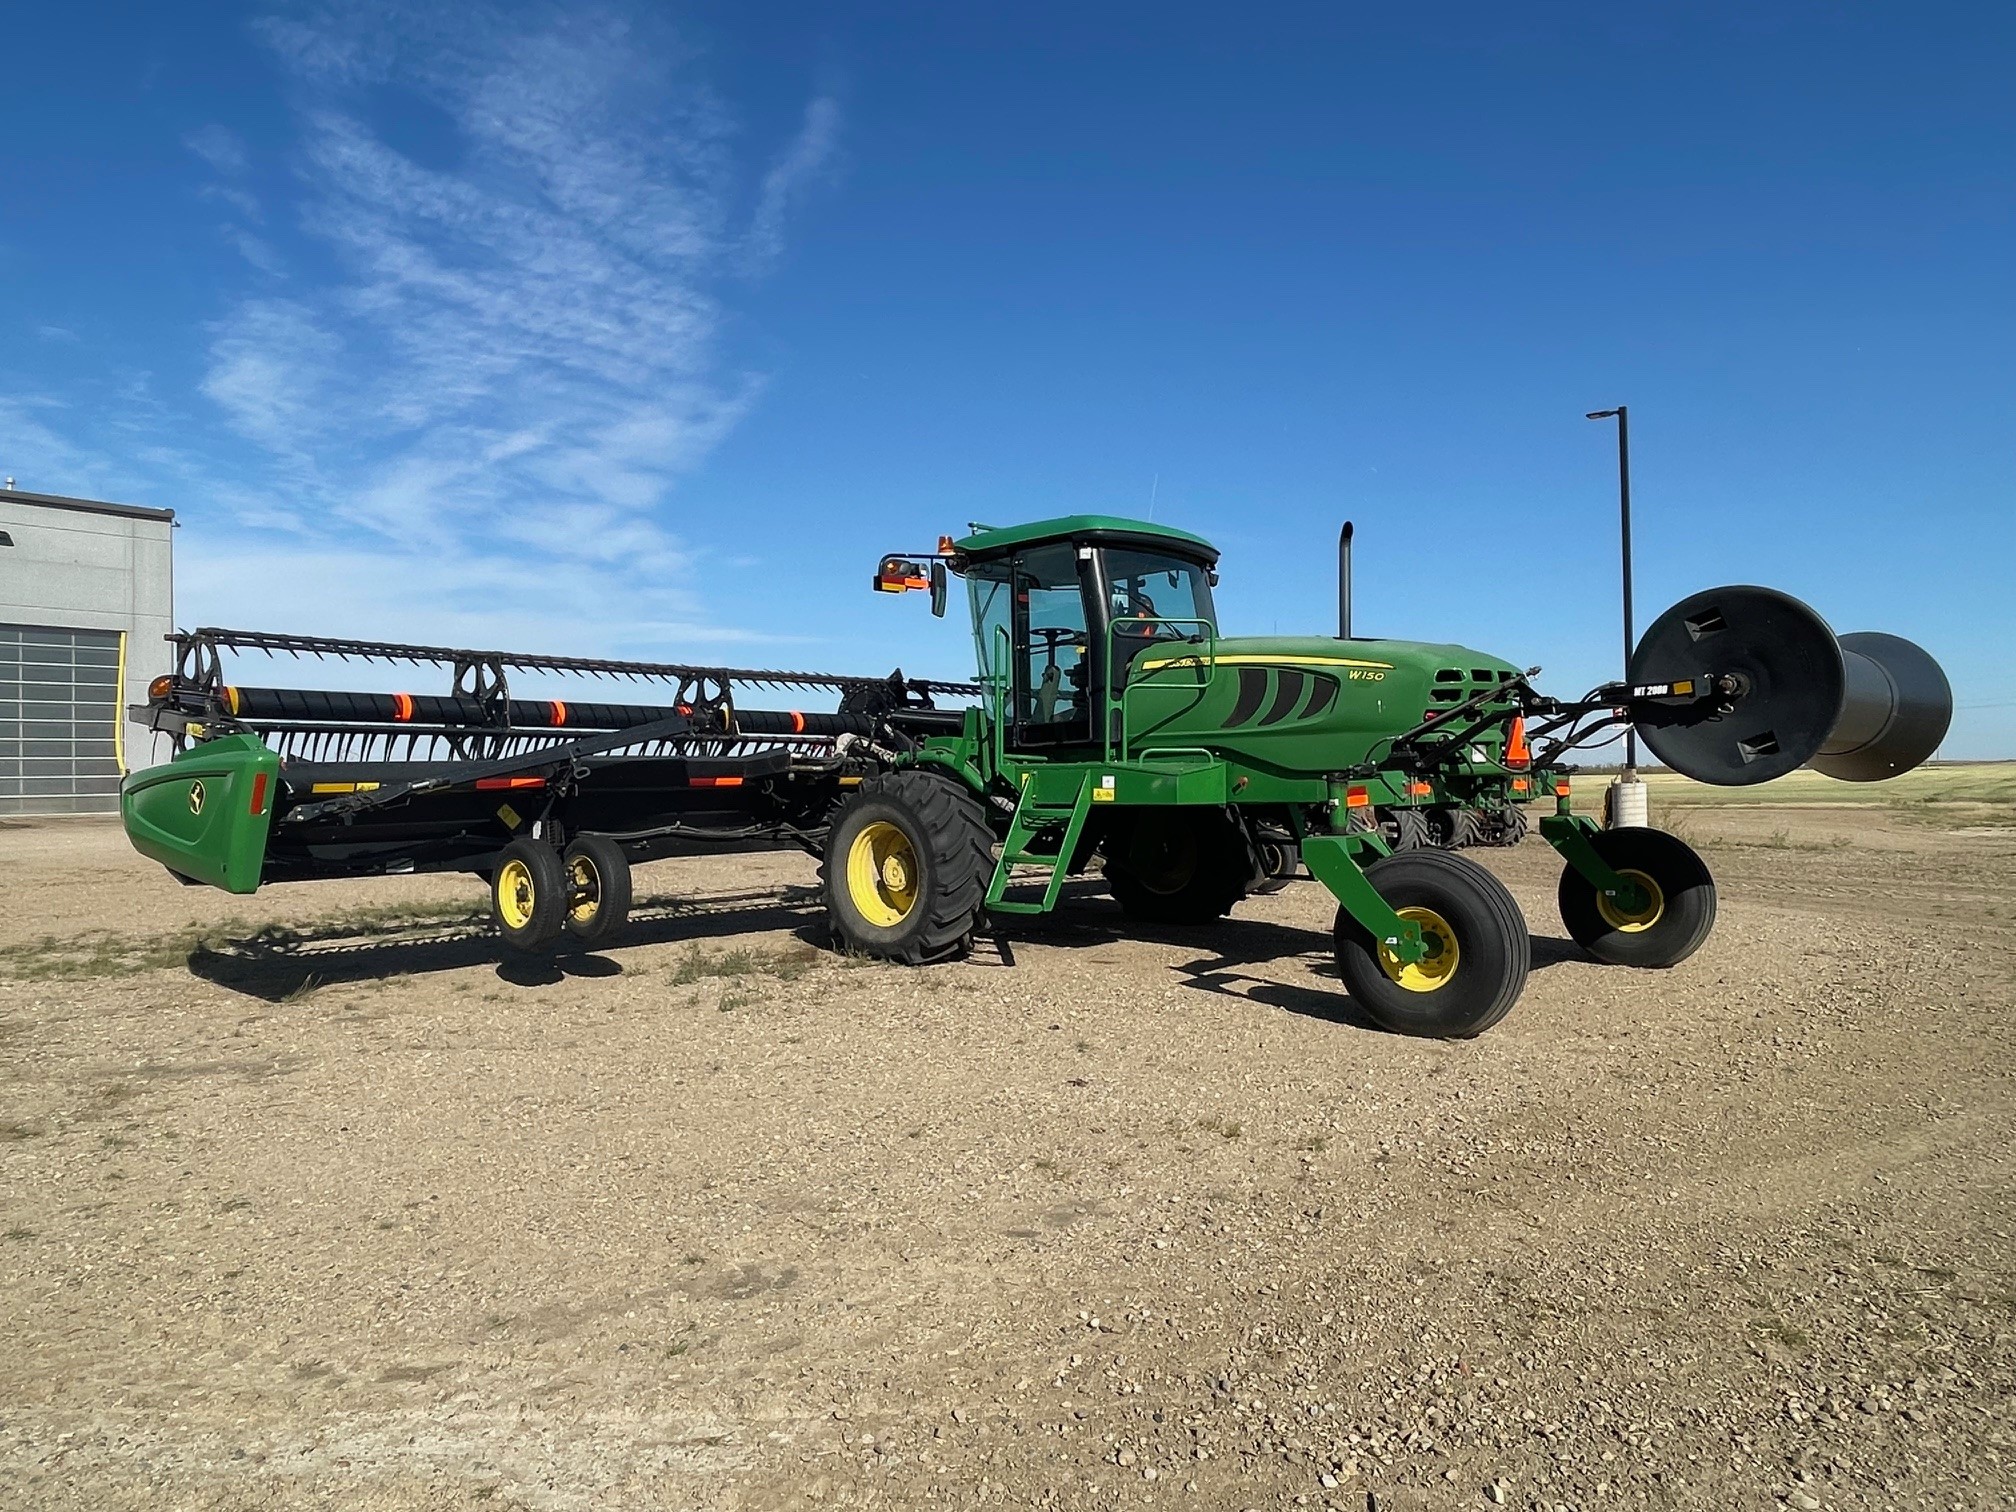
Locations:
{"points": [[311, 1202]]}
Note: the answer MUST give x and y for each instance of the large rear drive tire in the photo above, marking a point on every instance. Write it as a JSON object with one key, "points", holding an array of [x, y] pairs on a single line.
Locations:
{"points": [[598, 894], [1178, 866], [528, 895], [906, 867], [1677, 918], [1480, 950]]}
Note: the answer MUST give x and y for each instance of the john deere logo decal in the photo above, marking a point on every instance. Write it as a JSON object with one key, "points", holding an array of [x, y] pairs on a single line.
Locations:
{"points": [[195, 797]]}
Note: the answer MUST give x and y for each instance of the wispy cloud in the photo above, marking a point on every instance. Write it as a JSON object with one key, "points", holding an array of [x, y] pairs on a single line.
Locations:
{"points": [[503, 233], [220, 147], [804, 163]]}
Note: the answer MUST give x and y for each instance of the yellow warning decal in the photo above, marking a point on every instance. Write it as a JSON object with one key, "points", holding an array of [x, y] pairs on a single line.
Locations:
{"points": [[509, 815], [343, 787]]}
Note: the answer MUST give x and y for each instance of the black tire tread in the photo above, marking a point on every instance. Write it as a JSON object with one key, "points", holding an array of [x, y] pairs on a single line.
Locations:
{"points": [[961, 861], [607, 857], [1435, 869], [549, 892], [1681, 874], [1219, 883]]}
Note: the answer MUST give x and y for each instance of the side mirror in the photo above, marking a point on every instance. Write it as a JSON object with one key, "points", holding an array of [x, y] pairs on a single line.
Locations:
{"points": [[938, 589]]}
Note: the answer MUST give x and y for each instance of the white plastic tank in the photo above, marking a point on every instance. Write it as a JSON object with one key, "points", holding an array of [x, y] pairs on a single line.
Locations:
{"points": [[1625, 804]]}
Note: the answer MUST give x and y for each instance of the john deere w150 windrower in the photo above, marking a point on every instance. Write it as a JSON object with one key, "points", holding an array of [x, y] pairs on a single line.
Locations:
{"points": [[1112, 726]]}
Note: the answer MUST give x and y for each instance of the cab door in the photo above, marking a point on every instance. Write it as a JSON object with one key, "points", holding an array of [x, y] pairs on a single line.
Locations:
{"points": [[1052, 692]]}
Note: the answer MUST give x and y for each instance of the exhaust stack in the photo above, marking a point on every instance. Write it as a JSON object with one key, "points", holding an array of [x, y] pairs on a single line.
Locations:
{"points": [[1344, 582]]}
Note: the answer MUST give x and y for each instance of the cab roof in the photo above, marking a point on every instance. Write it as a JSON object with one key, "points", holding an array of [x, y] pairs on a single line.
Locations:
{"points": [[1092, 530]]}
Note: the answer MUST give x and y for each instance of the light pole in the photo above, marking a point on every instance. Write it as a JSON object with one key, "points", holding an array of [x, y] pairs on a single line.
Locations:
{"points": [[1627, 793], [1622, 415]]}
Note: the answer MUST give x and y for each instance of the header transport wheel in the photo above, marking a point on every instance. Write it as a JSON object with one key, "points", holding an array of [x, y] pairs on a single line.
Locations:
{"points": [[598, 892], [528, 895], [1668, 919], [906, 867], [1478, 950]]}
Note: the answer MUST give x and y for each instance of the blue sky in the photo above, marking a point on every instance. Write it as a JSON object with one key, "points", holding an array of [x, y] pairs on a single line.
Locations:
{"points": [[646, 329]]}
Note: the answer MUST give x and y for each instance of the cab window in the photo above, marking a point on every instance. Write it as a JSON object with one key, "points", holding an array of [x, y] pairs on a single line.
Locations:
{"points": [[1151, 597]]}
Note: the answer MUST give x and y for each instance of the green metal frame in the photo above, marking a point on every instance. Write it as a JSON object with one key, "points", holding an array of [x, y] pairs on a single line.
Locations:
{"points": [[1569, 834]]}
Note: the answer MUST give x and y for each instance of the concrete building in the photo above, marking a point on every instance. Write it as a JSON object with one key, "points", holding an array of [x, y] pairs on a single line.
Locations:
{"points": [[87, 595]]}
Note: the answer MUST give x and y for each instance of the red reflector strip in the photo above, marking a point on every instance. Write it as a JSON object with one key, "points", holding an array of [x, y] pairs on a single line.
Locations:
{"points": [[491, 784], [402, 706], [559, 712], [1561, 788], [1357, 797], [714, 782], [258, 793]]}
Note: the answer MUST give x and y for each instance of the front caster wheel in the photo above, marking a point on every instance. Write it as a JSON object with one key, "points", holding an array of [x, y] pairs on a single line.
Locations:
{"points": [[528, 895], [1666, 923], [598, 888], [1478, 949]]}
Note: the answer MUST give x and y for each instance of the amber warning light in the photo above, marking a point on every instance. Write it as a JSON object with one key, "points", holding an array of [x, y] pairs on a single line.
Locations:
{"points": [[900, 575]]}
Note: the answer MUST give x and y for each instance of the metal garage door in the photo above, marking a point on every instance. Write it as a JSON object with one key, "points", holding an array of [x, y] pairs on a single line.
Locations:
{"points": [[59, 720]]}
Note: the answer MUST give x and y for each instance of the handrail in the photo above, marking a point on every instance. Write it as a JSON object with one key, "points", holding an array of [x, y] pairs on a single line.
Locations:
{"points": [[1202, 660]]}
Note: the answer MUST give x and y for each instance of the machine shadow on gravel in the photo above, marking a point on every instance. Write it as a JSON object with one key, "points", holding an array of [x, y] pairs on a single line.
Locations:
{"points": [[279, 962]]}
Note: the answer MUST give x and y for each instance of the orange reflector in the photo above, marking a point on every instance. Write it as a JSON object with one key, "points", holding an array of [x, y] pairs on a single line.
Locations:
{"points": [[1419, 789], [258, 793], [158, 689], [491, 784], [714, 781], [1520, 784], [1561, 788], [797, 723], [1357, 797], [402, 706], [1516, 752], [559, 712]]}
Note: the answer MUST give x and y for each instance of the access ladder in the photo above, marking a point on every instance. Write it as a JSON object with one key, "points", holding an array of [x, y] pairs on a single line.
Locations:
{"points": [[1041, 807]]}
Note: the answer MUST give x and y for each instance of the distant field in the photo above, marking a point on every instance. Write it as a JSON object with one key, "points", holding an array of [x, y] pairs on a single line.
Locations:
{"points": [[1967, 793]]}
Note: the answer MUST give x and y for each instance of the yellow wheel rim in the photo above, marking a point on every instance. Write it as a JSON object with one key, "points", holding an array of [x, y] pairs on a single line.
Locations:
{"points": [[1437, 966], [587, 887], [1633, 921], [882, 874], [516, 896]]}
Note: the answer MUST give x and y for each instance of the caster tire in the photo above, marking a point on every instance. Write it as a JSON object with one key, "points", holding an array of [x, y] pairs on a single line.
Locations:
{"points": [[1481, 951], [1677, 917]]}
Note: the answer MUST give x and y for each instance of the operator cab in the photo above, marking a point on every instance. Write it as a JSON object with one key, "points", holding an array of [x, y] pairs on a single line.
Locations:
{"points": [[1063, 608]]}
